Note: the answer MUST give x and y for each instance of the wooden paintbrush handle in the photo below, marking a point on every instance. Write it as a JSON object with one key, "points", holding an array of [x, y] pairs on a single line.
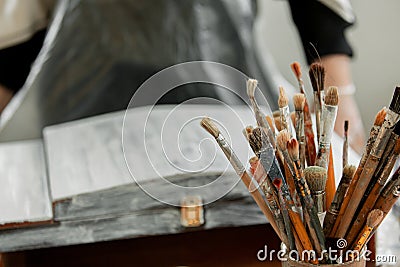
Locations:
{"points": [[330, 188]]}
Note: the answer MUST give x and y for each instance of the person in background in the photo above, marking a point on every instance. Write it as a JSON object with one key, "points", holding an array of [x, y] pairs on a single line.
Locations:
{"points": [[23, 28], [321, 25], [171, 32]]}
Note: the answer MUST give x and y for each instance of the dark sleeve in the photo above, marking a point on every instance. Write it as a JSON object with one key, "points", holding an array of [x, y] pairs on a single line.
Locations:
{"points": [[16, 61], [319, 26]]}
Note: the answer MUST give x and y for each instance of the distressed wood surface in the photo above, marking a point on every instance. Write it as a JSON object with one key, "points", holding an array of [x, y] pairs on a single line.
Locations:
{"points": [[24, 188], [87, 155]]}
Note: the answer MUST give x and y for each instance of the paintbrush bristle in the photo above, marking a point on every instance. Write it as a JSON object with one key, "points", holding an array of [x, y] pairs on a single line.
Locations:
{"points": [[295, 66], [299, 101], [348, 173], [395, 103], [210, 127], [278, 124], [255, 140], [253, 160], [374, 218], [251, 87], [276, 114], [247, 131], [380, 117], [270, 123], [293, 149], [346, 126], [316, 178], [278, 183], [282, 139], [317, 76], [332, 96], [283, 100]]}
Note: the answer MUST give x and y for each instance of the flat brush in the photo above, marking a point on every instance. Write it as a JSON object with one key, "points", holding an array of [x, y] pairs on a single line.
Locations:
{"points": [[299, 103], [283, 103], [286, 219], [328, 115], [345, 151], [379, 118], [341, 191], [292, 147], [317, 78], [373, 195], [211, 128], [272, 199], [374, 218], [259, 115], [311, 151], [259, 143], [392, 117], [316, 180]]}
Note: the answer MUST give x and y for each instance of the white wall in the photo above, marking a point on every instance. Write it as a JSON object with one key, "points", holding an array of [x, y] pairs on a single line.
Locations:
{"points": [[375, 39]]}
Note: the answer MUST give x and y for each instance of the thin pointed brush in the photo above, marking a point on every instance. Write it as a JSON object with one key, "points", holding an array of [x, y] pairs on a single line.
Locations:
{"points": [[317, 78], [372, 196], [333, 211], [283, 103], [311, 151], [345, 151], [392, 117], [379, 118], [259, 115], [328, 116], [299, 102], [290, 150], [211, 128]]}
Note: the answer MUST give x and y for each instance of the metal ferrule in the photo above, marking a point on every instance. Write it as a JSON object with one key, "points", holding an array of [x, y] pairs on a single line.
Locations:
{"points": [[384, 134], [319, 201], [286, 121], [396, 191], [328, 117]]}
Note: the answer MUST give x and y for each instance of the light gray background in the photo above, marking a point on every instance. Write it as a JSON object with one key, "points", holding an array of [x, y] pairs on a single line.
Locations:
{"points": [[375, 40]]}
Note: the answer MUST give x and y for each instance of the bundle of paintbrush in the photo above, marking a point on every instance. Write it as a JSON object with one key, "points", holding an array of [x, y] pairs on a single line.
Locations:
{"points": [[291, 176]]}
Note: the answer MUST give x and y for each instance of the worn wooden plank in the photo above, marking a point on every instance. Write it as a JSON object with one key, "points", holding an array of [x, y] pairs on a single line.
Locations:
{"points": [[24, 188], [165, 220], [131, 198]]}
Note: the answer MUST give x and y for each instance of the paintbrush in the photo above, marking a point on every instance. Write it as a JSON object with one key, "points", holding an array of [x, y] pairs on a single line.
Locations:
{"points": [[345, 155], [286, 219], [374, 218], [316, 179], [341, 191], [328, 116], [283, 103], [293, 119], [372, 196], [392, 117], [379, 118], [260, 176], [292, 148], [278, 124], [299, 102], [308, 129], [259, 144], [249, 182], [317, 78], [259, 115]]}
